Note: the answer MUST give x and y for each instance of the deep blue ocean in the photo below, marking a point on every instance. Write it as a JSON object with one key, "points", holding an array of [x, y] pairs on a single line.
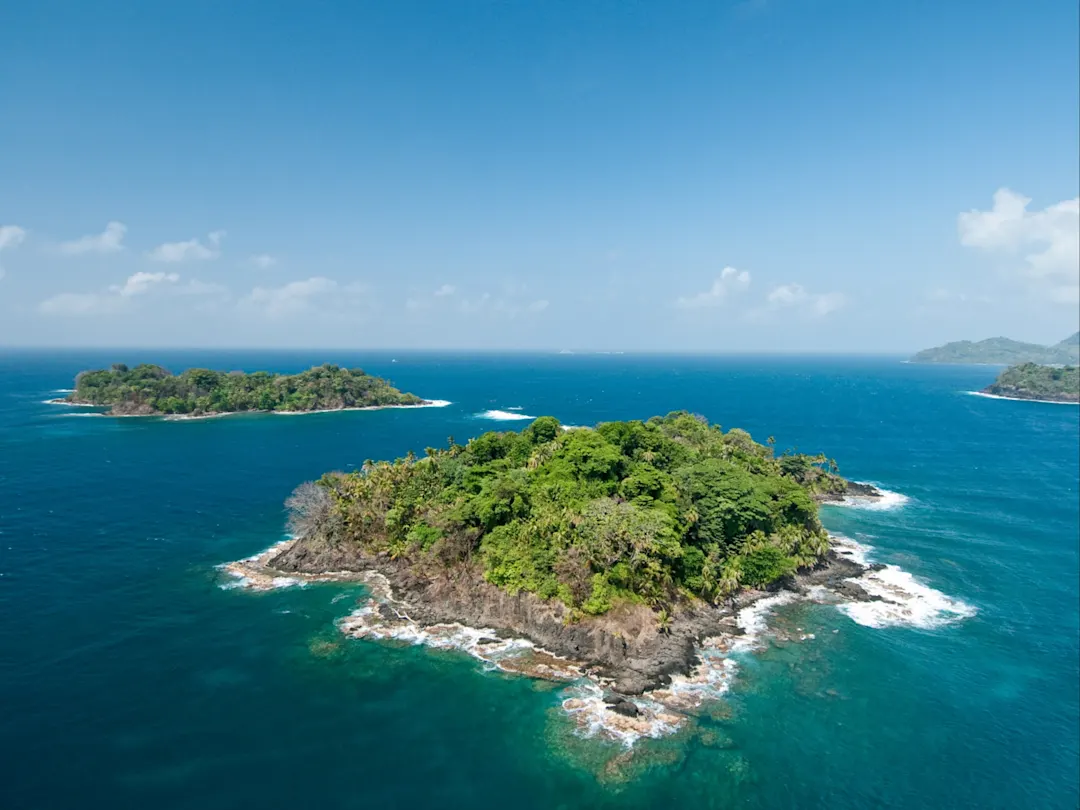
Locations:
{"points": [[130, 679]]}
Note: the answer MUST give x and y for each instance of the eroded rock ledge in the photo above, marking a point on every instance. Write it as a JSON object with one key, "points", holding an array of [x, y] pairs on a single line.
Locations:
{"points": [[628, 646]]}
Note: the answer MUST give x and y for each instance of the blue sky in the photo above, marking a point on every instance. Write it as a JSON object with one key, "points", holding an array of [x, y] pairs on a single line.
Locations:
{"points": [[771, 175]]}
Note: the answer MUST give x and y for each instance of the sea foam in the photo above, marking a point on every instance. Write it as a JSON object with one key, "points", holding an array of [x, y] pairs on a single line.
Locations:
{"points": [[888, 500], [584, 703], [504, 416], [718, 666], [1019, 399], [903, 600]]}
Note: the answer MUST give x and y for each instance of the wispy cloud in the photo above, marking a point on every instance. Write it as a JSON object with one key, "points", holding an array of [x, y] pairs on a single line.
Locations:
{"points": [[11, 236], [445, 290], [263, 261], [730, 280], [118, 297], [142, 282], [191, 250], [111, 240], [1047, 240], [796, 298], [298, 296]]}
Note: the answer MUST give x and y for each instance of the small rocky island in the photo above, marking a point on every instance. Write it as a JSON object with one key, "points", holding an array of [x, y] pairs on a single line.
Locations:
{"points": [[1032, 381], [148, 390], [619, 547]]}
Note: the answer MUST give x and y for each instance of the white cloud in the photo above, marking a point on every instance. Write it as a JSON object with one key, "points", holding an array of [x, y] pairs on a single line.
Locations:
{"points": [[263, 261], [730, 280], [191, 250], [296, 296], [537, 306], [1048, 240], [11, 236], [118, 297], [111, 240], [795, 297], [445, 290], [141, 282]]}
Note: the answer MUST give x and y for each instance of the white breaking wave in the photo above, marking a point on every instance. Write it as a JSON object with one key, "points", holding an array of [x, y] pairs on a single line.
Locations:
{"points": [[67, 404], [430, 403], [713, 677], [63, 390], [904, 601], [272, 584], [888, 500], [504, 416], [481, 643], [1019, 399], [584, 702]]}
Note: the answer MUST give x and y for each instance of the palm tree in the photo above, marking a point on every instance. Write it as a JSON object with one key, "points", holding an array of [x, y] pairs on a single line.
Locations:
{"points": [[730, 578]]}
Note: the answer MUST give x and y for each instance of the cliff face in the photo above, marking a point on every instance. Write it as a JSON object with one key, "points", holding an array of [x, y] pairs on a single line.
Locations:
{"points": [[627, 645]]}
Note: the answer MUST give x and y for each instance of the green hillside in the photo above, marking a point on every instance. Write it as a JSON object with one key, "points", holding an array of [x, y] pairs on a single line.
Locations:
{"points": [[1003, 351]]}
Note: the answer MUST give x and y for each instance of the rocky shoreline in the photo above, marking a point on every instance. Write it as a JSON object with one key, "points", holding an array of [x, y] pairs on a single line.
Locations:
{"points": [[628, 649], [628, 674]]}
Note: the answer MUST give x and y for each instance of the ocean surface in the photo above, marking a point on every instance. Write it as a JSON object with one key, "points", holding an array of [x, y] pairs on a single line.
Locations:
{"points": [[131, 678]]}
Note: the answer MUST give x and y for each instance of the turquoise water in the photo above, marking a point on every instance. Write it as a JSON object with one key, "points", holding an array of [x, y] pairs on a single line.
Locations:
{"points": [[130, 678]]}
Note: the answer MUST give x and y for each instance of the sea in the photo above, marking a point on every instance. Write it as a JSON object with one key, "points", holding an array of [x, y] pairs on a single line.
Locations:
{"points": [[134, 674]]}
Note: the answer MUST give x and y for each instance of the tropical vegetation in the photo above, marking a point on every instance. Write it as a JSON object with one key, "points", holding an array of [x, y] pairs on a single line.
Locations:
{"points": [[1032, 381], [151, 389], [653, 512]]}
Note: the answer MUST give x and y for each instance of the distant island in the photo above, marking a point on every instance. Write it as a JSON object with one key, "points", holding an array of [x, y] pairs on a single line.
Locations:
{"points": [[147, 390], [1032, 381], [1003, 351], [619, 546]]}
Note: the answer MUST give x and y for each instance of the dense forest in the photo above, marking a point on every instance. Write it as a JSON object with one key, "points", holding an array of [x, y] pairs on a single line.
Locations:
{"points": [[1032, 381], [150, 389], [645, 511]]}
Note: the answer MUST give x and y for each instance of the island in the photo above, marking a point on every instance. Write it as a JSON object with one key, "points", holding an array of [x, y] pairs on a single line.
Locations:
{"points": [[1003, 351], [148, 390], [620, 547], [1036, 382]]}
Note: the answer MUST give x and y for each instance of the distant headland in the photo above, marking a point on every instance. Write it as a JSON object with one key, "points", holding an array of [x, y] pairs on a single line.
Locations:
{"points": [[149, 390], [1035, 382], [1003, 351]]}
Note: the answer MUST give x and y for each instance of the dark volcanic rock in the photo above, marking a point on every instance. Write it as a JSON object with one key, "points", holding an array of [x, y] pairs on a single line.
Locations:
{"points": [[624, 645], [860, 490], [854, 592], [852, 489], [625, 708]]}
